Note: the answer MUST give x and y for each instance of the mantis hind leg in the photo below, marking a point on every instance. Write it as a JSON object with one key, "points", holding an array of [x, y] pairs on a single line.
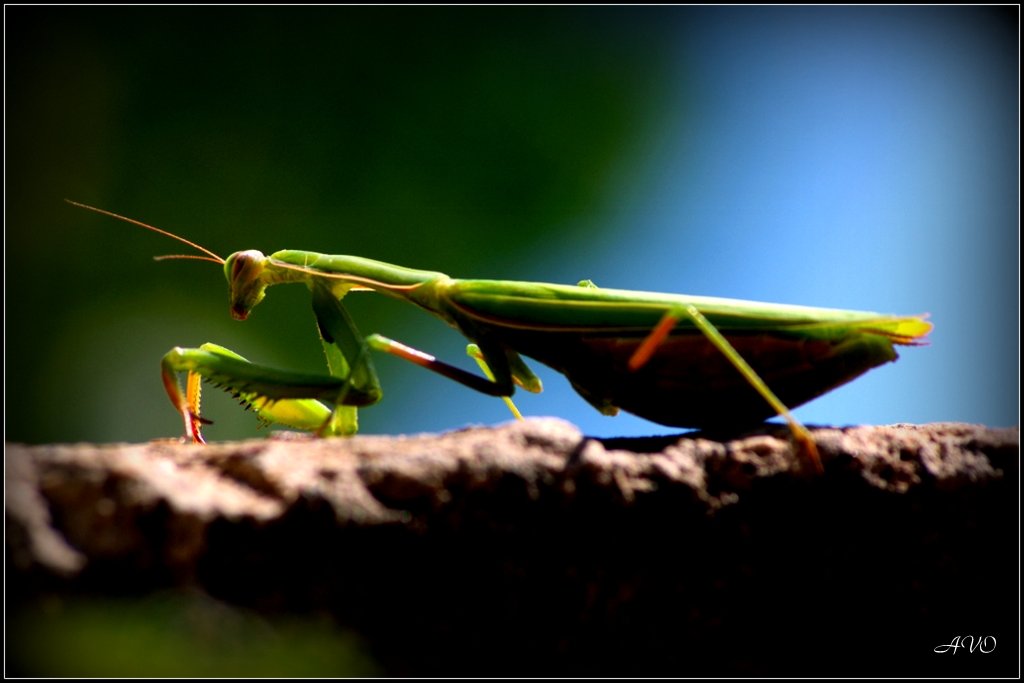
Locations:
{"points": [[661, 332]]}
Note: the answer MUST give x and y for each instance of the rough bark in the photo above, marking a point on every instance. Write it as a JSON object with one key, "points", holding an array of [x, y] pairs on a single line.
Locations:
{"points": [[529, 549]]}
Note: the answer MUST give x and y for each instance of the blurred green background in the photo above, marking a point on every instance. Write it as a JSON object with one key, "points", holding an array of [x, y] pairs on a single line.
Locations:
{"points": [[462, 140], [857, 158], [175, 634]]}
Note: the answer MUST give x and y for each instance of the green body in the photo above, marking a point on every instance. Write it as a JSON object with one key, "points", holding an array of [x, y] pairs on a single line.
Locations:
{"points": [[586, 333], [682, 361], [589, 335]]}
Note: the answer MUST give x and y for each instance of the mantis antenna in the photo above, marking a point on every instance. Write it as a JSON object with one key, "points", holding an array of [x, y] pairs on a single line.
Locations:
{"points": [[210, 256]]}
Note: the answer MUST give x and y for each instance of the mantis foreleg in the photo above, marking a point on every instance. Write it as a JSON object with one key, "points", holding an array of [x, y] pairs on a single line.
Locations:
{"points": [[278, 396], [294, 399], [223, 367]]}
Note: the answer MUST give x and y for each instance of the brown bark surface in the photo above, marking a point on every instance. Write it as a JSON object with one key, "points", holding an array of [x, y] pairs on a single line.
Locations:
{"points": [[529, 549]]}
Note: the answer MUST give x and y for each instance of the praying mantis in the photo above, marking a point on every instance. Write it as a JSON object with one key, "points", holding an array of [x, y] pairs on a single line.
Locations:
{"points": [[678, 360]]}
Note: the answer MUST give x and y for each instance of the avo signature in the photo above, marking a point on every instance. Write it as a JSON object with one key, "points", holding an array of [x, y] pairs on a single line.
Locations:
{"points": [[971, 644]]}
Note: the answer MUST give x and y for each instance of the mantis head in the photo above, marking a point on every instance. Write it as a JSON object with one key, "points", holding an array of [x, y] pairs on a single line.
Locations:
{"points": [[244, 272]]}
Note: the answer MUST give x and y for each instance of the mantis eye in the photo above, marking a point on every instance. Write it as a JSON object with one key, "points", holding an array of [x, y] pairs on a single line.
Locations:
{"points": [[239, 266]]}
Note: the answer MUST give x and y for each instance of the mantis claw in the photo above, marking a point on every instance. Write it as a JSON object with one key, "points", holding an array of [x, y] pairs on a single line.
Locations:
{"points": [[193, 427]]}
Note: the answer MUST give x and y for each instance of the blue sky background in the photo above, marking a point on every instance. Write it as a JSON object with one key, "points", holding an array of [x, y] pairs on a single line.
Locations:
{"points": [[860, 158]]}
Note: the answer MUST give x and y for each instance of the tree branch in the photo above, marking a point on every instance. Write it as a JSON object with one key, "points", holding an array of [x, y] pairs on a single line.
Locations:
{"points": [[529, 549]]}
